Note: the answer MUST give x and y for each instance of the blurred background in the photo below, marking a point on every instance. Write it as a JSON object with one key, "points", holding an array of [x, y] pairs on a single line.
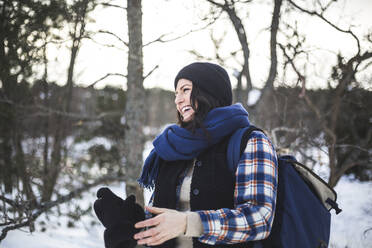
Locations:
{"points": [[86, 85]]}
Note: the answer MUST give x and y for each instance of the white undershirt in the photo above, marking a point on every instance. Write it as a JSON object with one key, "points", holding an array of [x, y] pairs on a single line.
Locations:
{"points": [[194, 225]]}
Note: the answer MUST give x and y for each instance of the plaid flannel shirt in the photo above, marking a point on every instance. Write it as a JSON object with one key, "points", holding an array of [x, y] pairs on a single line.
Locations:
{"points": [[254, 198]]}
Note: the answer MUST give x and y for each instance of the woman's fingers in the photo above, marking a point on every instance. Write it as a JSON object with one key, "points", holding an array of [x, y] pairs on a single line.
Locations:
{"points": [[156, 210], [147, 223], [167, 225], [148, 233], [153, 240], [152, 221]]}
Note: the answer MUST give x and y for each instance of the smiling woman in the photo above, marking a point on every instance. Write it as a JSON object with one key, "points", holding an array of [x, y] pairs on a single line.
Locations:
{"points": [[197, 201], [183, 100], [203, 87]]}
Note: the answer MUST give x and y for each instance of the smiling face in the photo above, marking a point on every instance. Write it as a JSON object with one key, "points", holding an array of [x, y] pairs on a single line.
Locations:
{"points": [[183, 99]]}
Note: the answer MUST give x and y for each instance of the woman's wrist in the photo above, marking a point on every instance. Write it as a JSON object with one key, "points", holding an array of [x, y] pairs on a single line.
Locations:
{"points": [[194, 226]]}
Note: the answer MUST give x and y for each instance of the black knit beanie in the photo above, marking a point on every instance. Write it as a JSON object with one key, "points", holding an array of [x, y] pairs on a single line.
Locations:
{"points": [[209, 77]]}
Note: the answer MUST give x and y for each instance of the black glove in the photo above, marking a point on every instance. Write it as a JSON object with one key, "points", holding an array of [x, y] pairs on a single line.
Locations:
{"points": [[119, 217]]}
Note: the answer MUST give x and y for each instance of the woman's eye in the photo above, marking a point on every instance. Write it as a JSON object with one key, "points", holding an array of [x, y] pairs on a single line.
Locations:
{"points": [[186, 89]]}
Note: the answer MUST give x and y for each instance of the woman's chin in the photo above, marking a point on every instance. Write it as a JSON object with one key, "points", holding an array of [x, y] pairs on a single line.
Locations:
{"points": [[187, 118]]}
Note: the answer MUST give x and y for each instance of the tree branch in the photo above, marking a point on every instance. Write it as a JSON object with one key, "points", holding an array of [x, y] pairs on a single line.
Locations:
{"points": [[307, 99], [320, 15], [114, 35], [105, 45], [242, 36], [104, 77], [9, 201], [162, 40], [150, 72], [113, 5], [338, 174], [45, 206], [5, 230], [217, 4]]}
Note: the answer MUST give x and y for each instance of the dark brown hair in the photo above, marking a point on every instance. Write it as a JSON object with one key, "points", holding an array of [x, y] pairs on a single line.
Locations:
{"points": [[202, 103]]}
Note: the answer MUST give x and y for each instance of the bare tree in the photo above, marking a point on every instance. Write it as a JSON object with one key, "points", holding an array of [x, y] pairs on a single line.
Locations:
{"points": [[343, 77], [135, 108], [229, 7], [18, 53], [266, 101], [258, 110], [52, 169], [268, 108], [35, 181]]}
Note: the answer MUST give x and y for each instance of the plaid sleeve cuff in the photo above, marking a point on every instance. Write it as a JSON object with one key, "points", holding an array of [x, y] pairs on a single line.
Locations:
{"points": [[211, 225]]}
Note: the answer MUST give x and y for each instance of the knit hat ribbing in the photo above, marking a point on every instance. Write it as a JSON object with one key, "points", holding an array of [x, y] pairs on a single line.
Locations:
{"points": [[209, 77]]}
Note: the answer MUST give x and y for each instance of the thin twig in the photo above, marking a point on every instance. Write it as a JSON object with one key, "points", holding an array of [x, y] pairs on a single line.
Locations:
{"points": [[113, 5], [112, 34], [9, 201], [150, 72], [104, 77], [162, 40], [105, 45]]}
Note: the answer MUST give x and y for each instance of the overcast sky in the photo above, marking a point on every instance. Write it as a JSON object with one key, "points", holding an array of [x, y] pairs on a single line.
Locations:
{"points": [[177, 17]]}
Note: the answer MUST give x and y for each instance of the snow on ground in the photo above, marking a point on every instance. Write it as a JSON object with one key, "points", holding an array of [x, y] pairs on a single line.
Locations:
{"points": [[347, 229], [57, 235], [355, 198]]}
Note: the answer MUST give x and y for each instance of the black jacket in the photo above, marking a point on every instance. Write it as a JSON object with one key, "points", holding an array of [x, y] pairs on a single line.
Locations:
{"points": [[212, 186]]}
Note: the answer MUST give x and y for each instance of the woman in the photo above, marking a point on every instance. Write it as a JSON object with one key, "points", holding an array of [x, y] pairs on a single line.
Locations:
{"points": [[197, 202]]}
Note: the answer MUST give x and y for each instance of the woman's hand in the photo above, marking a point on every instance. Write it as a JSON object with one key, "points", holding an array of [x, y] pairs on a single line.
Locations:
{"points": [[167, 225]]}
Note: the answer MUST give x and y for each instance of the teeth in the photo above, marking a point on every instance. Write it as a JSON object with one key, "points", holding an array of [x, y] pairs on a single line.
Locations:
{"points": [[186, 108]]}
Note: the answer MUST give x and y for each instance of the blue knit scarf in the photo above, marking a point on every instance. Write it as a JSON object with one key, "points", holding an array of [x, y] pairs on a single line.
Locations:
{"points": [[176, 143]]}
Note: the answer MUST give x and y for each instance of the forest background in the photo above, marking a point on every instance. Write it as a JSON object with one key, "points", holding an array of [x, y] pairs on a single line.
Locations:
{"points": [[99, 74]]}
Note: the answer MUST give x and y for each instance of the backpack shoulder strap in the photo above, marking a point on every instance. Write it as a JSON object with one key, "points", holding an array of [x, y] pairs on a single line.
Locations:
{"points": [[237, 143]]}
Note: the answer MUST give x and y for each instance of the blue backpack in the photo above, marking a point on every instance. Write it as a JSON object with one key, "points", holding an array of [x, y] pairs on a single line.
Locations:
{"points": [[302, 216]]}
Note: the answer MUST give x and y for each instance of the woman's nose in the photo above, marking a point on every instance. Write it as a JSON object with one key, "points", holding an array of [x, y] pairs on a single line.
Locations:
{"points": [[178, 99]]}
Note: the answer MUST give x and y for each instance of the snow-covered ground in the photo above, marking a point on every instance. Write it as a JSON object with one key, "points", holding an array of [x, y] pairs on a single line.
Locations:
{"points": [[348, 228]]}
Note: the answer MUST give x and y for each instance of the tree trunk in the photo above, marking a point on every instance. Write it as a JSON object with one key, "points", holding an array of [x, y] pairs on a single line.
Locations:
{"points": [[135, 105], [263, 110], [7, 167], [7, 112], [53, 169]]}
